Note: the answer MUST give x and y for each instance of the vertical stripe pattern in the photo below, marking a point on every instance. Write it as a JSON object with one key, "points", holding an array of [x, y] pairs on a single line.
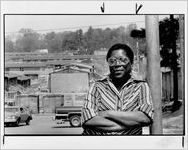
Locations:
{"points": [[134, 96]]}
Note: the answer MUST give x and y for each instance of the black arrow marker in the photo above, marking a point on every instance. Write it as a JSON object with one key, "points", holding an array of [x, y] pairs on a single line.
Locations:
{"points": [[102, 8], [137, 9]]}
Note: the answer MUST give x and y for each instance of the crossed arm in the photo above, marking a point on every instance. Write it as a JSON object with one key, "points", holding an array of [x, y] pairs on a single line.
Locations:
{"points": [[117, 121]]}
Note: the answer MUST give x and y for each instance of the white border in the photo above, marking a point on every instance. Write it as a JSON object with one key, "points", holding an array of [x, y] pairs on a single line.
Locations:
{"points": [[94, 142], [92, 7]]}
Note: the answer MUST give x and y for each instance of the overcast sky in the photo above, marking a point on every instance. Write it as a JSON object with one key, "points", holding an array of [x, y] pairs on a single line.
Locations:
{"points": [[47, 23], [57, 23]]}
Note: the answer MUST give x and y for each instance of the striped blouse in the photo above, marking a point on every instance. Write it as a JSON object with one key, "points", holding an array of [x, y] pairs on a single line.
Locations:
{"points": [[103, 95]]}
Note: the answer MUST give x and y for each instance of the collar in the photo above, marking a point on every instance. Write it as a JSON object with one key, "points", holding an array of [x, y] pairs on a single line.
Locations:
{"points": [[107, 80], [134, 77]]}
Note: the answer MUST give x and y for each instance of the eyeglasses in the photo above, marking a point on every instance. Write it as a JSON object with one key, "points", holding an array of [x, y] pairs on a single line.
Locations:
{"points": [[112, 61]]}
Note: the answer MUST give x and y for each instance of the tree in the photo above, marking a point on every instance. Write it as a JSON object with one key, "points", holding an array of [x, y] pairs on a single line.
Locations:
{"points": [[9, 45], [106, 39], [70, 42], [79, 38], [89, 39], [28, 41], [53, 42], [169, 33], [169, 29]]}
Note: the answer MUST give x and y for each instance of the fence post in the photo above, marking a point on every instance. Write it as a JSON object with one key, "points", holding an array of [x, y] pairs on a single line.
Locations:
{"points": [[153, 69]]}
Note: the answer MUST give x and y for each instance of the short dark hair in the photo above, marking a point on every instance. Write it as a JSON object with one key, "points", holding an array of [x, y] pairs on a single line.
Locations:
{"points": [[124, 47]]}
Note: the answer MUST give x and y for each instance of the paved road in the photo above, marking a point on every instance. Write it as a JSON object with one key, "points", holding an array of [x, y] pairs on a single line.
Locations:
{"points": [[43, 124]]}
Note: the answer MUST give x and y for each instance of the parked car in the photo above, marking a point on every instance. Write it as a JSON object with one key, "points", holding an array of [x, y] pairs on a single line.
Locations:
{"points": [[9, 103], [68, 113], [14, 115]]}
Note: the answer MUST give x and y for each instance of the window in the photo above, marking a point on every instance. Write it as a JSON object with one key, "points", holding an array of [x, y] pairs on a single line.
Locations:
{"points": [[21, 69]]}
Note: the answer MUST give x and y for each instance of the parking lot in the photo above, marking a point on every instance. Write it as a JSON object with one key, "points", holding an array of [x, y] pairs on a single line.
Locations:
{"points": [[41, 125]]}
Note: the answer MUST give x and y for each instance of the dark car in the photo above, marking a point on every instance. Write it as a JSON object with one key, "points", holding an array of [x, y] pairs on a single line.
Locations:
{"points": [[14, 115]]}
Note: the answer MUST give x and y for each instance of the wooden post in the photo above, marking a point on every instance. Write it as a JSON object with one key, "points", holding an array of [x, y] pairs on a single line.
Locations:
{"points": [[181, 38], [182, 60], [137, 56], [153, 69]]}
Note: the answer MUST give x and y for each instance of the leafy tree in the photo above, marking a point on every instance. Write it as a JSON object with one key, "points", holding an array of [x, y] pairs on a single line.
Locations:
{"points": [[168, 29], [106, 39], [53, 42], [169, 32], [28, 41], [9, 45], [79, 38], [89, 39], [81, 43], [42, 43], [70, 42]]}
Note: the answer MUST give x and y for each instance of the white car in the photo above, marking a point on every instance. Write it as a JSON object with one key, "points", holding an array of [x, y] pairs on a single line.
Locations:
{"points": [[14, 115]]}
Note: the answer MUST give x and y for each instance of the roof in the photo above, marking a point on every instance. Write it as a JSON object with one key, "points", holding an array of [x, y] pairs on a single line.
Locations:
{"points": [[10, 75], [22, 78], [60, 62], [82, 65], [9, 100], [75, 66], [52, 56], [48, 63], [15, 65], [11, 106], [48, 56], [71, 68]]}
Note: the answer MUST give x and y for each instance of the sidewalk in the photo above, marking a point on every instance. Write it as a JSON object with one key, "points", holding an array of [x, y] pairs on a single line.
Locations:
{"points": [[173, 122]]}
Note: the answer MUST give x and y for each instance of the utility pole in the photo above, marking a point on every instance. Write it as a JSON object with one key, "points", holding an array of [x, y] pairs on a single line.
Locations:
{"points": [[181, 39], [137, 56], [153, 70], [182, 56]]}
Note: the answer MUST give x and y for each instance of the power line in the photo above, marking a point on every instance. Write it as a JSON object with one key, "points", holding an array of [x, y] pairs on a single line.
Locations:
{"points": [[77, 27]]}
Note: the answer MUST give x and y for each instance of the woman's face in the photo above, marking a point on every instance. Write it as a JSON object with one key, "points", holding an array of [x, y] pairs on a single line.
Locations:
{"points": [[119, 64]]}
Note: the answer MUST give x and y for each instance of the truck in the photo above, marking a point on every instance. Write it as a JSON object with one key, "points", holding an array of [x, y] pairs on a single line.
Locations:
{"points": [[70, 110], [72, 82], [68, 113]]}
